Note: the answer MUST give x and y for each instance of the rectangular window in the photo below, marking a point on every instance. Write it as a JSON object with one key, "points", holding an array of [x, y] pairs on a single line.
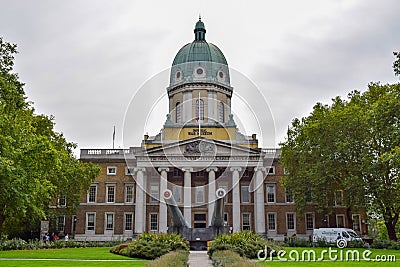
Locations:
{"points": [[60, 223], [92, 194], [291, 221], [271, 170], [309, 195], [289, 196], [177, 172], [62, 201], [109, 221], [245, 194], [271, 194], [225, 218], [129, 193], [271, 221], [154, 193], [199, 194], [309, 221], [200, 174], [153, 222], [90, 221], [177, 193], [129, 171], [128, 222], [356, 222], [111, 170], [339, 198], [246, 221], [340, 221], [110, 194]]}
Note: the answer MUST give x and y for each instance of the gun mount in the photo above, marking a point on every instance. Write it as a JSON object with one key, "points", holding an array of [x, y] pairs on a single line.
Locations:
{"points": [[197, 237]]}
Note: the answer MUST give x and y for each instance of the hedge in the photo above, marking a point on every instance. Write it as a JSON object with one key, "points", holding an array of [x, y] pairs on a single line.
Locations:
{"points": [[172, 259], [231, 259]]}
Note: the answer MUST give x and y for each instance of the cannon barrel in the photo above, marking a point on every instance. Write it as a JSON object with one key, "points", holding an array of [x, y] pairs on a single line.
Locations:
{"points": [[218, 216], [177, 218]]}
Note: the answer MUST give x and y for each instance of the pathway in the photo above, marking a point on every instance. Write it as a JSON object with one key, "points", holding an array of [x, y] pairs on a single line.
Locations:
{"points": [[199, 259]]}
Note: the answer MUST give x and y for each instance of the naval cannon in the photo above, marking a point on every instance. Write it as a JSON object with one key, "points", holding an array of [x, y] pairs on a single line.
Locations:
{"points": [[197, 237]]}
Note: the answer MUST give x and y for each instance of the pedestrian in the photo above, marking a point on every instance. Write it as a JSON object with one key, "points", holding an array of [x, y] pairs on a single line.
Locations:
{"points": [[66, 237]]}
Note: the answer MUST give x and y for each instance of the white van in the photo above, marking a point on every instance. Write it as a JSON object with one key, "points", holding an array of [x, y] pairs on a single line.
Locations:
{"points": [[332, 234]]}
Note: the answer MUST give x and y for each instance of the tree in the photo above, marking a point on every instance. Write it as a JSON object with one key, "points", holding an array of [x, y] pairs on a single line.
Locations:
{"points": [[350, 145], [396, 63], [37, 164]]}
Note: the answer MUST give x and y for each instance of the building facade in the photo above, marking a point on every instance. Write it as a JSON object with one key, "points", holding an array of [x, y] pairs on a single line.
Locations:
{"points": [[198, 150]]}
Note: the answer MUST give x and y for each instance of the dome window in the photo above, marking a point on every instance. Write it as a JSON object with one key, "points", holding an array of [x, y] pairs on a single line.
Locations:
{"points": [[199, 72], [221, 74]]}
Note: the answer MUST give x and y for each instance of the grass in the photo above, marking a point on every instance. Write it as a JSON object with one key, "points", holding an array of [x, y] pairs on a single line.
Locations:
{"points": [[67, 257], [328, 262]]}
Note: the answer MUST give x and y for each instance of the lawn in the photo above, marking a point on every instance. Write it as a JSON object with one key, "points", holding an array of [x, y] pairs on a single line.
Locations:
{"points": [[338, 253], [67, 257]]}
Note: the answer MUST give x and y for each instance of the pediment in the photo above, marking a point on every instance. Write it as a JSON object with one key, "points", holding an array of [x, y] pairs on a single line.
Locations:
{"points": [[200, 146]]}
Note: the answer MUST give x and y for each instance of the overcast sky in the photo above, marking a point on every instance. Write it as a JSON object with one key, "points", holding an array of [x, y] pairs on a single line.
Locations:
{"points": [[82, 61]]}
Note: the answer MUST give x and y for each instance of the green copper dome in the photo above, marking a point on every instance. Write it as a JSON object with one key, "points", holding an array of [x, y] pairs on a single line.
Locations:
{"points": [[199, 49]]}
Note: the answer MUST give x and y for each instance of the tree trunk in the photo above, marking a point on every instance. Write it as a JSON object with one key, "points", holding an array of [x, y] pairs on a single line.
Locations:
{"points": [[391, 230], [2, 219]]}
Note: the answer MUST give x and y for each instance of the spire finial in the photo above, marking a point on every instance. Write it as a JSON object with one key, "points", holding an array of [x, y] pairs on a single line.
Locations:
{"points": [[199, 30]]}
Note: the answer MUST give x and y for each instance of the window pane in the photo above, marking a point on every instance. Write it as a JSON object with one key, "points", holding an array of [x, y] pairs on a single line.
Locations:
{"points": [[290, 221], [128, 221], [153, 222], [92, 194], [339, 198], [110, 194], [309, 221], [200, 107], [340, 221], [110, 221], [178, 112], [221, 112], [356, 222], [60, 223], [154, 193], [271, 221], [90, 221], [199, 194], [245, 194], [289, 197], [309, 195], [270, 193], [245, 221], [129, 194], [177, 193]]}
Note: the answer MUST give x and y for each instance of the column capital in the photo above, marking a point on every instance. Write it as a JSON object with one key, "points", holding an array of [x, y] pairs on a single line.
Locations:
{"points": [[163, 169], [262, 169], [187, 169], [214, 169], [236, 169], [139, 169]]}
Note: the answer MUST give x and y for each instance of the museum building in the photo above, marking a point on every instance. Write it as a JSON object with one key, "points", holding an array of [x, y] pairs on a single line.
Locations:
{"points": [[198, 150]]}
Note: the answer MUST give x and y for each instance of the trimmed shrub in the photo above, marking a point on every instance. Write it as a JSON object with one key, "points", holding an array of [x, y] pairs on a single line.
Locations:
{"points": [[385, 244], [231, 259], [151, 246], [297, 242], [246, 244], [172, 259]]}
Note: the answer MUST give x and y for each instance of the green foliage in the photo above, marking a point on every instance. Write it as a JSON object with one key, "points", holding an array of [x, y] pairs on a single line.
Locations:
{"points": [[37, 164], [297, 242], [171, 259], [246, 244], [231, 259], [396, 63], [20, 244], [350, 145], [385, 244], [151, 246]]}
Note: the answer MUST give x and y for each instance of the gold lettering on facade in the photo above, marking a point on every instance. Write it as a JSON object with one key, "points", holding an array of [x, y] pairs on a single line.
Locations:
{"points": [[202, 132]]}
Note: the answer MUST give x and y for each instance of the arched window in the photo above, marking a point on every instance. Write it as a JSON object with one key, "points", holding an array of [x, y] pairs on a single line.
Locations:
{"points": [[178, 112], [221, 110], [200, 108]]}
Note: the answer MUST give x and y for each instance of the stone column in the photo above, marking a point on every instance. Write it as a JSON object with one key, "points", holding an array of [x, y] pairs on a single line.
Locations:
{"points": [[163, 206], [187, 107], [235, 199], [187, 195], [259, 209], [211, 192], [140, 205]]}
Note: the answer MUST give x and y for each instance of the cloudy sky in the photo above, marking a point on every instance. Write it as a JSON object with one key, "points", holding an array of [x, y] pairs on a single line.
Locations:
{"points": [[83, 61]]}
